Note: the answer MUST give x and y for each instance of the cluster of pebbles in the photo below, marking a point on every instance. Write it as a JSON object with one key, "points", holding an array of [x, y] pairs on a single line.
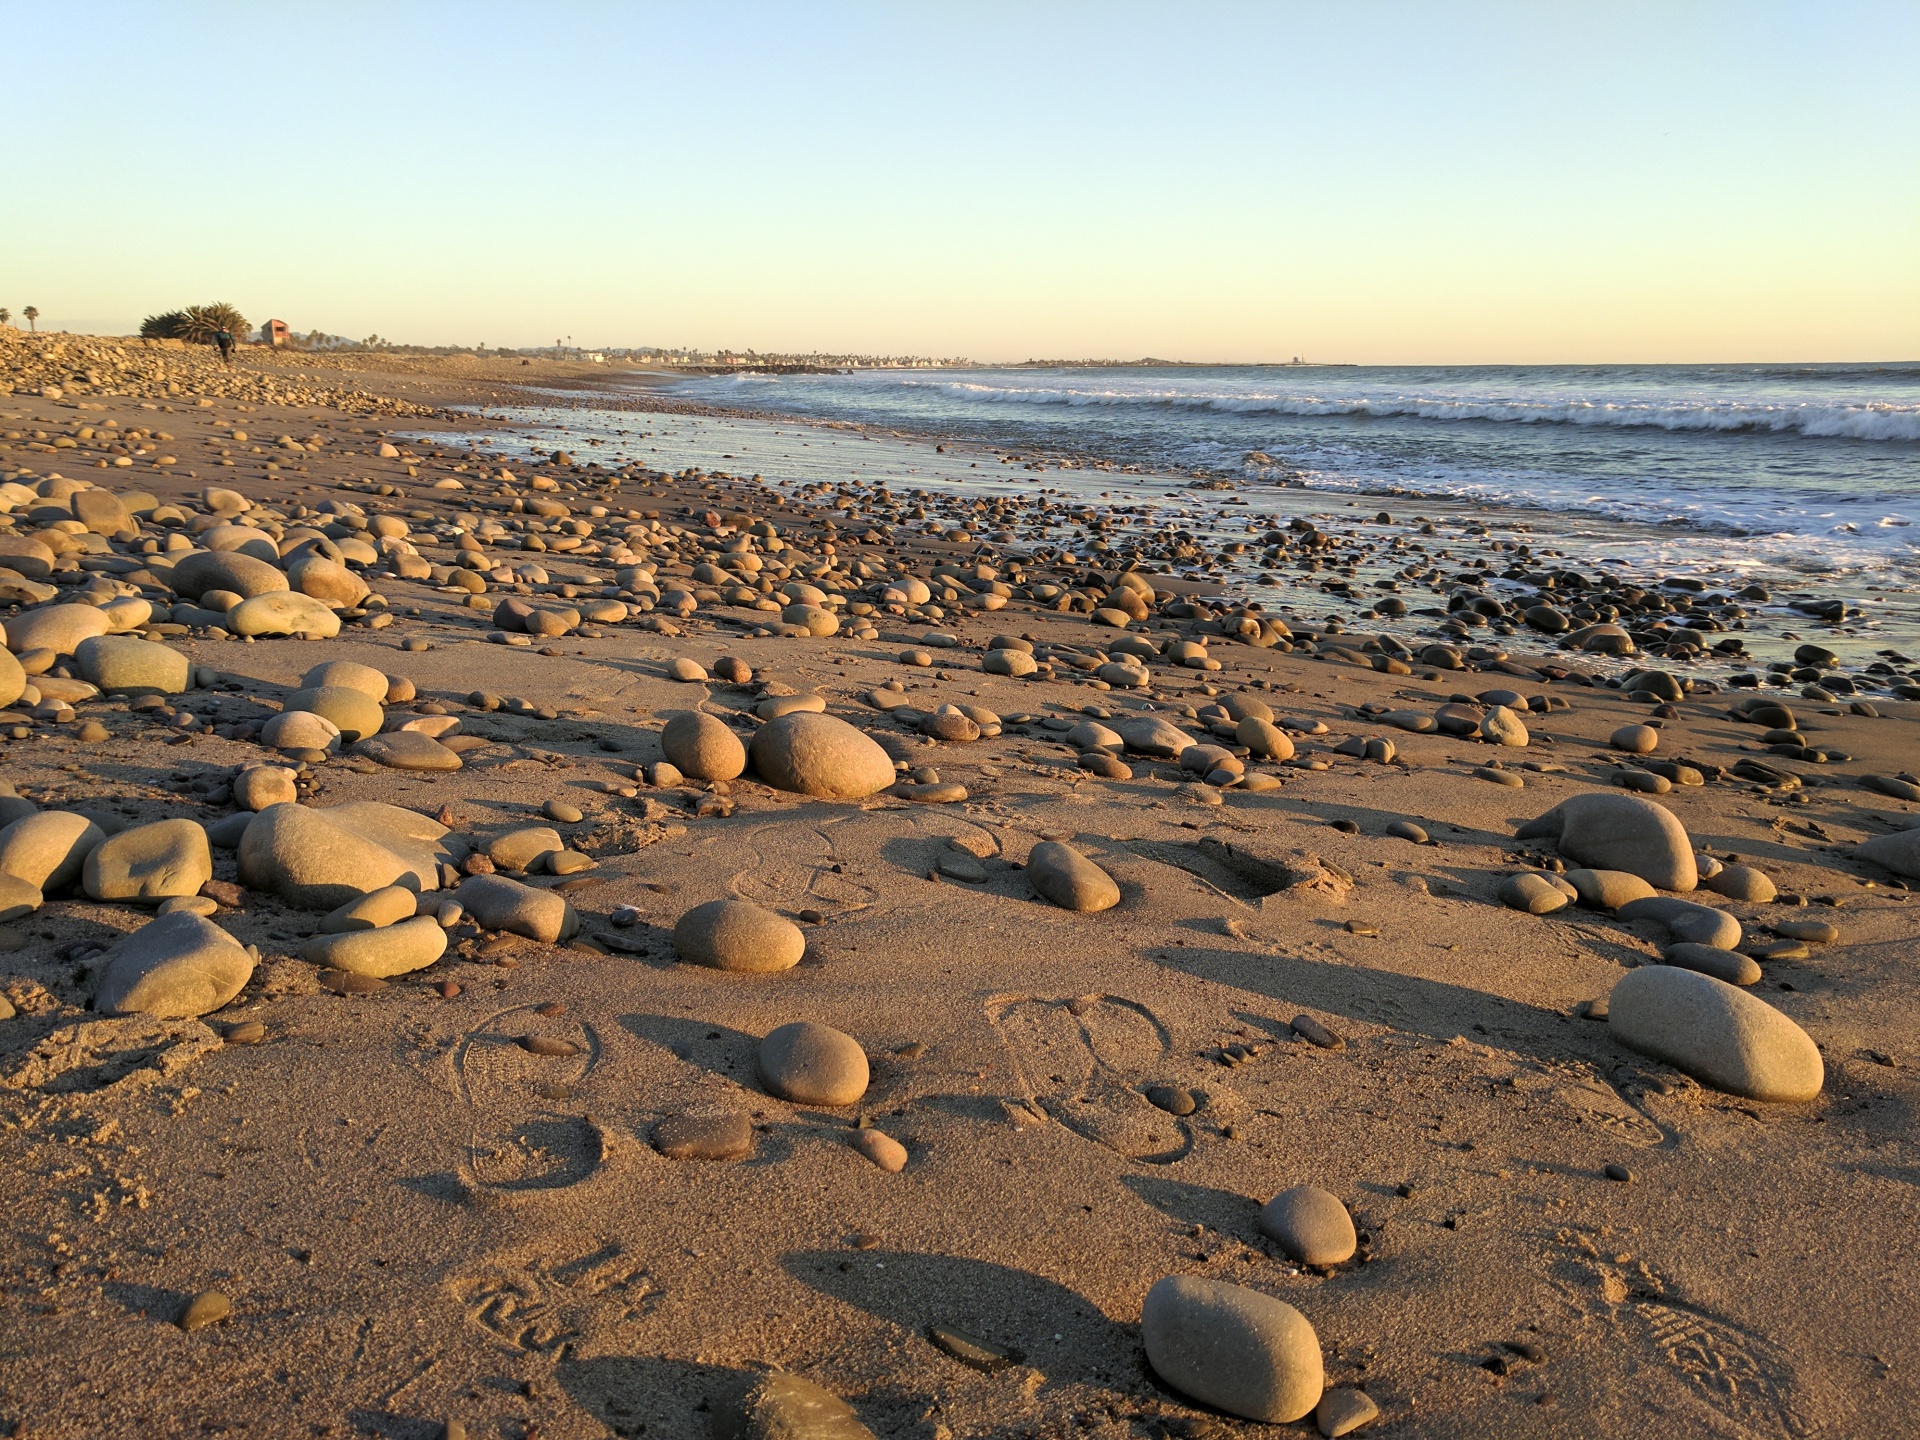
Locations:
{"points": [[129, 609]]}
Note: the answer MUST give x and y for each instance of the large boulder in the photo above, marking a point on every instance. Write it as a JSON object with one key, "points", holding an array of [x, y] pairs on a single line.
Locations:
{"points": [[177, 965], [1151, 735], [814, 754], [321, 859], [1233, 1348], [123, 665], [1610, 831], [150, 863], [1718, 1034], [59, 628], [738, 935], [498, 903], [230, 570], [283, 613], [13, 679], [353, 712], [1898, 852], [351, 673], [704, 747], [49, 849]]}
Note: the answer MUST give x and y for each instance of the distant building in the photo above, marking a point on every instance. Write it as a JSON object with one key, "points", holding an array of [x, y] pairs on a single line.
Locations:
{"points": [[275, 333]]}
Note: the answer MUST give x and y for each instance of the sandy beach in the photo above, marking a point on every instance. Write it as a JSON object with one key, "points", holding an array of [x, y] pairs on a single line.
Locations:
{"points": [[1112, 907]]}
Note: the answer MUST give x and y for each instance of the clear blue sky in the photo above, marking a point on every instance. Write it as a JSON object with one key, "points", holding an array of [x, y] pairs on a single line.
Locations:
{"points": [[1372, 182]]}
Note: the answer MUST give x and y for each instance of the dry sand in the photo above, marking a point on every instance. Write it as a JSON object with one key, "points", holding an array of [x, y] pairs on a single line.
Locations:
{"points": [[417, 1220]]}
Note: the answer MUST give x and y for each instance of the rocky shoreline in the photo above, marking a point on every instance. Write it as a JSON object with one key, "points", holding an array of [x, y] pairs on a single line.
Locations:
{"points": [[512, 944]]}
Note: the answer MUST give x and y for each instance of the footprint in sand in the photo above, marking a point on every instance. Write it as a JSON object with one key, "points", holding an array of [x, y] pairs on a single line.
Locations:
{"points": [[1082, 1061], [516, 1073], [1605, 1106], [793, 869], [539, 1306], [1739, 1376]]}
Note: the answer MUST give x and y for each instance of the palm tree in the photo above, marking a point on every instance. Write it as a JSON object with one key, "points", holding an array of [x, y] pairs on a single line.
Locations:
{"points": [[204, 322], [32, 312], [5, 316]]}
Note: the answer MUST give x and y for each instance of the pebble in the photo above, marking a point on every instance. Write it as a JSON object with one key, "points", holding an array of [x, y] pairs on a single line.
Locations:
{"points": [[686, 671], [149, 863], [704, 1135], [498, 903], [354, 713], [1818, 932], [1620, 832], [1233, 1348], [204, 905], [1406, 830], [1344, 1410], [1898, 852], [1723, 964], [1720, 1035], [247, 1032], [1607, 889], [878, 1146], [1618, 1173], [739, 936], [292, 730], [703, 746], [1310, 1225], [522, 849], [174, 966], [1742, 882], [820, 755], [1500, 726], [258, 786], [812, 1064], [1174, 1099], [1499, 777], [1069, 879], [1316, 1034], [408, 750], [1533, 893], [283, 614], [786, 1407], [209, 1307], [1635, 739], [1151, 735], [396, 949], [376, 685]]}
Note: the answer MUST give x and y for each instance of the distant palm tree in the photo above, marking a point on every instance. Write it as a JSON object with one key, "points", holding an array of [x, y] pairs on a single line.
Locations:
{"points": [[32, 312], [5, 316], [204, 322]]}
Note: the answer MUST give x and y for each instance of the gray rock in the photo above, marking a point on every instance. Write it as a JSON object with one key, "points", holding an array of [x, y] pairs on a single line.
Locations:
{"points": [[497, 903], [1532, 892], [407, 750], [522, 849], [372, 683], [299, 730], [243, 575], [259, 786], [1728, 965], [1620, 832], [1742, 882], [1069, 879], [1608, 889], [1898, 852], [1343, 1411], [352, 711], [150, 863], [1151, 735], [322, 859], [177, 965], [739, 936], [1235, 1349], [285, 613], [372, 911], [1718, 1034], [1311, 1225], [814, 754], [389, 950], [123, 665], [813, 1064], [1684, 920], [1500, 726], [17, 897], [60, 628], [705, 1135]]}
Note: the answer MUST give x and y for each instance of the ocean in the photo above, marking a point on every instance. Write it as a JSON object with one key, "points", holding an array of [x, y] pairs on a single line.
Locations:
{"points": [[1811, 469]]}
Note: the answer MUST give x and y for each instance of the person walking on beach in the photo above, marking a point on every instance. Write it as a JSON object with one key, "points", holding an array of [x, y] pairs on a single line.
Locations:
{"points": [[224, 339]]}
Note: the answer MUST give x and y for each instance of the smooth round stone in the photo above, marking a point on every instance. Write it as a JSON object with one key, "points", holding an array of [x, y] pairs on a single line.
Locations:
{"points": [[322, 859], [204, 905], [1015, 663], [1265, 739], [1069, 879], [238, 574], [561, 812], [299, 730], [1898, 852], [284, 613], [687, 671], [949, 792], [520, 849], [1407, 830], [1416, 722], [1728, 965], [1247, 707], [1720, 1035], [370, 682], [174, 966], [1635, 739], [1742, 882], [59, 628], [1684, 920], [408, 750], [326, 580], [821, 755], [1343, 1411], [150, 862], [1533, 893], [355, 713], [1151, 735], [1107, 767], [813, 1064], [375, 909], [395, 949], [1499, 777], [17, 897], [703, 746], [1205, 759], [48, 849], [716, 1135], [13, 678], [774, 706], [786, 1407], [102, 511], [209, 1307], [567, 862], [259, 786], [498, 903], [812, 619], [739, 936], [1620, 832], [122, 665], [1311, 1225], [1500, 726], [1817, 932], [949, 726], [1092, 735], [129, 612], [878, 1146], [1608, 889], [1233, 1348], [1174, 1099]]}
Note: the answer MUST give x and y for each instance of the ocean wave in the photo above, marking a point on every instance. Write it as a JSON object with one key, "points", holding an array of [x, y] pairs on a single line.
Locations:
{"points": [[1866, 421]]}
